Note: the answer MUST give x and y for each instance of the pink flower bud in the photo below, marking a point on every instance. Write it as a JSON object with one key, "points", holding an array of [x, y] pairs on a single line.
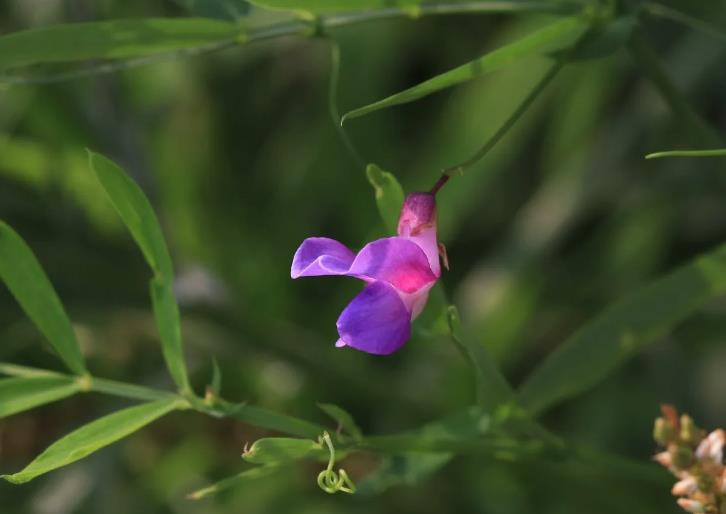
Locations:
{"points": [[685, 487], [664, 459], [418, 223], [711, 448], [691, 505]]}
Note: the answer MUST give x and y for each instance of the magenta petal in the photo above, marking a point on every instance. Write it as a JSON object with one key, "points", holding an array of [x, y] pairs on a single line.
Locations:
{"points": [[321, 256], [376, 321], [396, 260]]}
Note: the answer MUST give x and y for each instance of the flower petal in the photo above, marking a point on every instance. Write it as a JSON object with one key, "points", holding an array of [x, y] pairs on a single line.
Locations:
{"points": [[321, 256], [396, 260], [376, 321]]}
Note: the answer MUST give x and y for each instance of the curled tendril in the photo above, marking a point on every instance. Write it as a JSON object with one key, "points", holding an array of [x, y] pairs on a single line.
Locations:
{"points": [[330, 481]]}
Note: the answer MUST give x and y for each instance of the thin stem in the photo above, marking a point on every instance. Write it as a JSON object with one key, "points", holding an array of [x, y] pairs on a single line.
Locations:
{"points": [[136, 392], [508, 124], [643, 54], [307, 28], [721, 152], [333, 103], [15, 370], [668, 13]]}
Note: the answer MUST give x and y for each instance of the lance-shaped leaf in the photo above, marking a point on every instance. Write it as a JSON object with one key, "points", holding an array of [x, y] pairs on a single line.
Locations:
{"points": [[234, 481], [622, 330], [91, 437], [491, 388], [272, 420], [117, 39], [278, 450], [23, 393], [389, 195], [22, 273], [413, 7], [138, 215], [552, 38]]}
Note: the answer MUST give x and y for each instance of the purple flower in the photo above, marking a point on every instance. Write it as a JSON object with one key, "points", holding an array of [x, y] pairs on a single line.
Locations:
{"points": [[399, 272]]}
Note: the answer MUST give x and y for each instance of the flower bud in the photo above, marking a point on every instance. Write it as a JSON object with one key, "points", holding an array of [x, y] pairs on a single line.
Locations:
{"points": [[664, 459], [663, 432], [688, 429], [685, 487], [691, 505], [417, 214]]}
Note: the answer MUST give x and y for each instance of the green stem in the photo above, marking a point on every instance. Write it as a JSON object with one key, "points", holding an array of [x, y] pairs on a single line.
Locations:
{"points": [[333, 103], [643, 53], [15, 370], [509, 123], [136, 392]]}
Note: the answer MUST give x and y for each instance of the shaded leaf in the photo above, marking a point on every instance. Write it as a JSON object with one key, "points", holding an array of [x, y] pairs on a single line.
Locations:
{"points": [[25, 278], [117, 39], [622, 330], [23, 393], [91, 437], [389, 195], [406, 468], [231, 10], [557, 36], [278, 450], [492, 389], [260, 417], [234, 481], [343, 418]]}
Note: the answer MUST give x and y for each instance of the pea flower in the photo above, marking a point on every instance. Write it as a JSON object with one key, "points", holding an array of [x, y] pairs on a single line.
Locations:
{"points": [[398, 271]]}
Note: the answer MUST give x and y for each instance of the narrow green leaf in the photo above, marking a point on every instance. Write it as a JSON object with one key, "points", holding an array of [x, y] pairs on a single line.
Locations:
{"points": [[234, 481], [414, 7], [91, 437], [260, 417], [279, 450], [135, 211], [231, 10], [622, 330], [25, 278], [492, 389], [555, 37], [117, 39], [721, 152], [389, 195], [405, 468], [343, 418], [20, 394], [166, 313], [138, 215]]}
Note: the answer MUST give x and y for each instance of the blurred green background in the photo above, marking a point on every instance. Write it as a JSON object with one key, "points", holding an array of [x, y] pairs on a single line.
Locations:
{"points": [[239, 155]]}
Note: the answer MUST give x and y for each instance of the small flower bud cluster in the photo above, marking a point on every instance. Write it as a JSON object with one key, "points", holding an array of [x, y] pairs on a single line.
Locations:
{"points": [[695, 458]]}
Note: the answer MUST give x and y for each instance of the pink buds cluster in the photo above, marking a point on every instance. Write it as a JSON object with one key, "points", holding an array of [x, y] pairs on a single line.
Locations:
{"points": [[695, 458]]}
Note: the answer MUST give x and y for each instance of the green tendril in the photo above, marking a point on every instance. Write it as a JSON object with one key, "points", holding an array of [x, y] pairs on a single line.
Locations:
{"points": [[330, 481]]}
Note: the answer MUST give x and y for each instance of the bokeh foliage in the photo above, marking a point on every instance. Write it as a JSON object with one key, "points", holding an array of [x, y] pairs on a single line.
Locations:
{"points": [[562, 220]]}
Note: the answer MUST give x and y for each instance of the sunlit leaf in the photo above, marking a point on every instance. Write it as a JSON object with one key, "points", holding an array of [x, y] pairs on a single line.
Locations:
{"points": [[118, 39], [389, 195], [234, 481], [92, 437], [343, 418], [720, 152], [622, 330], [138, 215], [166, 313], [557, 36], [278, 450], [25, 278], [20, 394]]}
